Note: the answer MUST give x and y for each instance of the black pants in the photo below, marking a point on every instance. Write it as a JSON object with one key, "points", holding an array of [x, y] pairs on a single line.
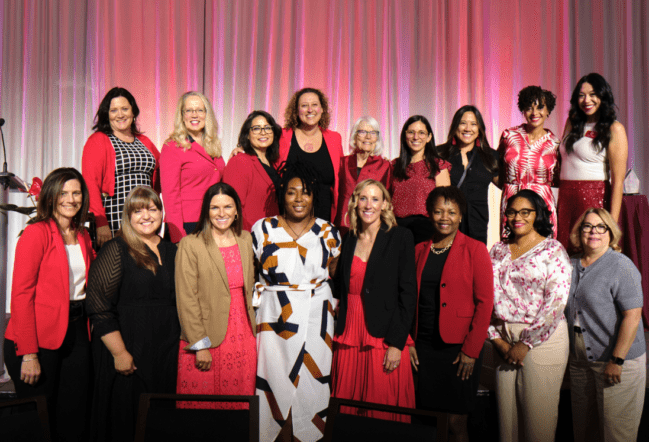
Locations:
{"points": [[64, 380]]}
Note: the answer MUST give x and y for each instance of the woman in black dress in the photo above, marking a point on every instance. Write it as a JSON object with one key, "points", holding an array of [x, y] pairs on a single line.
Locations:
{"points": [[132, 306], [471, 173]]}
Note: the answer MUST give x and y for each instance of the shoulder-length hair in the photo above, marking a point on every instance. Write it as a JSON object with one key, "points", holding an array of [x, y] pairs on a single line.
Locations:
{"points": [[450, 148], [378, 149], [387, 215], [140, 197], [430, 152], [210, 139], [204, 224], [542, 223], [303, 171], [272, 153], [577, 117], [48, 199], [614, 232], [448, 194], [291, 119], [102, 121]]}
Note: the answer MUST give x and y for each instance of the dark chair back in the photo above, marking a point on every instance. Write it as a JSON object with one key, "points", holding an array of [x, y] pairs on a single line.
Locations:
{"points": [[24, 420]]}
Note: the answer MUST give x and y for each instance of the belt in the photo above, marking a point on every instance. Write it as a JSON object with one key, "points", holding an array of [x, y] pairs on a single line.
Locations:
{"points": [[77, 310]]}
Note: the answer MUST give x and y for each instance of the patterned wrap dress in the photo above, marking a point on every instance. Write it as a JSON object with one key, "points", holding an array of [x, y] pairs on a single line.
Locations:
{"points": [[294, 327]]}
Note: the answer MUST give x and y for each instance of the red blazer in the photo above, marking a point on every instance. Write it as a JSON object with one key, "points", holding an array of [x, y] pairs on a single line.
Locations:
{"points": [[466, 293], [98, 169], [185, 176], [253, 185], [40, 291], [334, 146], [376, 168]]}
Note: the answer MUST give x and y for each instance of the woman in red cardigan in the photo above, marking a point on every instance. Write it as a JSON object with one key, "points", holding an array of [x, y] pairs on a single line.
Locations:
{"points": [[47, 350], [455, 299], [116, 159], [253, 173], [190, 163]]}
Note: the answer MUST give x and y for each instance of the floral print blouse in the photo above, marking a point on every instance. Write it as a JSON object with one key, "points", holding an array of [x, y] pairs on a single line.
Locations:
{"points": [[531, 289]]}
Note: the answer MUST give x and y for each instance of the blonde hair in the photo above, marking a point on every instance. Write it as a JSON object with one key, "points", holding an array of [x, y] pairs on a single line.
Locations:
{"points": [[387, 215], [614, 232], [139, 198], [210, 140]]}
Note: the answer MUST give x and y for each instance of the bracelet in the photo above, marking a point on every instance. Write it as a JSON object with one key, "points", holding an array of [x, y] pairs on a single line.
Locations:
{"points": [[32, 359]]}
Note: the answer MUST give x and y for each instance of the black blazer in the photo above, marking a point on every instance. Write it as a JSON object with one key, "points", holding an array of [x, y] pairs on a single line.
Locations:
{"points": [[389, 288]]}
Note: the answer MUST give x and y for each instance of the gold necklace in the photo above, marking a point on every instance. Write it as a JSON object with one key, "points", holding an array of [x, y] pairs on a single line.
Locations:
{"points": [[440, 251], [301, 232]]}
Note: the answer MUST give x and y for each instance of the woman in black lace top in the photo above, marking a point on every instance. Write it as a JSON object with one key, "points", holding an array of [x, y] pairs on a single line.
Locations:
{"points": [[132, 306]]}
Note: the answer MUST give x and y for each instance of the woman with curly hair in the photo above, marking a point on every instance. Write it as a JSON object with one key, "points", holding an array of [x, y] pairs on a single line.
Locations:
{"points": [[528, 153], [594, 150]]}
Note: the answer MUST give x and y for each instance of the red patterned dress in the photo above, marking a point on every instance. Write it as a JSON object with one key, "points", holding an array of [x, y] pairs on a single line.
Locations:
{"points": [[528, 166], [234, 362]]}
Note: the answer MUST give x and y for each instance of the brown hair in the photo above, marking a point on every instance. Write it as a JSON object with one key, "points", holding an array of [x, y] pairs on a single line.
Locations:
{"points": [[291, 120], [614, 232], [387, 215], [204, 225]]}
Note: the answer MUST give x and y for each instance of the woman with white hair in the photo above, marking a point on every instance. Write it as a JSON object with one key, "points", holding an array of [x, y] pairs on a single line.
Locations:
{"points": [[364, 162], [190, 162]]}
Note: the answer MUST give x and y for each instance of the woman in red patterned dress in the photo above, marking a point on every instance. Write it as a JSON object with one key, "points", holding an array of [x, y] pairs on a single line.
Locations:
{"points": [[214, 282], [528, 153]]}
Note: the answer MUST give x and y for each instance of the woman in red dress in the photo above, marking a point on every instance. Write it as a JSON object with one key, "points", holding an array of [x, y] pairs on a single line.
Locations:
{"points": [[214, 282], [377, 286]]}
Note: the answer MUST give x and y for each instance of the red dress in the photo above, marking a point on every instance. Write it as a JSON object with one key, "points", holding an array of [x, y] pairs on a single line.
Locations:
{"points": [[234, 362], [357, 369]]}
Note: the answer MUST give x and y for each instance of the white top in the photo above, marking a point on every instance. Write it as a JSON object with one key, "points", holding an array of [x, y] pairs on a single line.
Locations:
{"points": [[77, 272], [584, 163]]}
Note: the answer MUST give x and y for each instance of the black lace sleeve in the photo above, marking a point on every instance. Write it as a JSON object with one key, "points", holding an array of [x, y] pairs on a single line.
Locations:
{"points": [[102, 294]]}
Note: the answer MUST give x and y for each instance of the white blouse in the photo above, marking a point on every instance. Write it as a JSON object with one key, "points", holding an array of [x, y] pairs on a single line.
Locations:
{"points": [[77, 272]]}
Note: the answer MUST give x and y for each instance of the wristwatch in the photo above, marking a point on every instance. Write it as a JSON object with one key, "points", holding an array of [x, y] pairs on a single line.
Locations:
{"points": [[617, 361]]}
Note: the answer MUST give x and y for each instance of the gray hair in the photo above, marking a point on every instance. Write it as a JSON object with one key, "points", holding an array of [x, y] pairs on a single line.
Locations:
{"points": [[375, 125]]}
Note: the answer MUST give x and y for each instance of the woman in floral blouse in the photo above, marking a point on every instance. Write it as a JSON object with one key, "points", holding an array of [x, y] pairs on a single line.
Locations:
{"points": [[531, 285]]}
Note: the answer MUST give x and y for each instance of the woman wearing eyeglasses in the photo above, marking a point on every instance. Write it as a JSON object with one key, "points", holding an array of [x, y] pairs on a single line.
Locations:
{"points": [[253, 173], [365, 162], [607, 345], [528, 329], [190, 162]]}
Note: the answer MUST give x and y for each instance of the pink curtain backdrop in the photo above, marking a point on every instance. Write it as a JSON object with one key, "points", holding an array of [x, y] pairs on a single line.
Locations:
{"points": [[389, 59]]}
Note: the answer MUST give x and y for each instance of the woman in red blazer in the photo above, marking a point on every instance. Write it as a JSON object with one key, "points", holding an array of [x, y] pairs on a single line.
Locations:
{"points": [[455, 300], [47, 350], [190, 163], [306, 122], [253, 173], [116, 159]]}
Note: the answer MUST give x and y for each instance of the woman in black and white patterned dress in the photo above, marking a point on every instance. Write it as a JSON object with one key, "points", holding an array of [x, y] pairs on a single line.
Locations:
{"points": [[116, 159]]}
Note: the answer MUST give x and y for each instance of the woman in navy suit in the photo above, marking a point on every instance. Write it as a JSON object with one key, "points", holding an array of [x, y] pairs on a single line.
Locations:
{"points": [[455, 283]]}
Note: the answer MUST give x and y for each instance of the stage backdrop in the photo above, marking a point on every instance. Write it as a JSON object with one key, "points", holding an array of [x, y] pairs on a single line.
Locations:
{"points": [[389, 59]]}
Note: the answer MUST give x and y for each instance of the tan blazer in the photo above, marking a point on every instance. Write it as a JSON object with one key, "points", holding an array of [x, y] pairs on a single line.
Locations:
{"points": [[202, 292]]}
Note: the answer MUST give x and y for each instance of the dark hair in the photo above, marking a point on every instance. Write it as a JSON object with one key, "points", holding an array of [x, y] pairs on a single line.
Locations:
{"points": [[102, 122], [272, 153], [577, 117], [48, 199], [297, 169], [291, 119], [542, 223], [204, 225], [449, 193], [430, 152], [535, 94], [448, 149]]}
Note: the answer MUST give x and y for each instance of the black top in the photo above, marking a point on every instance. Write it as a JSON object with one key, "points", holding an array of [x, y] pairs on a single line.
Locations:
{"points": [[476, 191], [321, 162], [428, 323], [272, 173]]}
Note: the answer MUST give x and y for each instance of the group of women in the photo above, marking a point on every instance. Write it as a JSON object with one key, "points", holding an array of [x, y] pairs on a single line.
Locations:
{"points": [[243, 304]]}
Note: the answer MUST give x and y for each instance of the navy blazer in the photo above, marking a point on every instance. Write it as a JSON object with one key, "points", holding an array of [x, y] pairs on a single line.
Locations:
{"points": [[389, 287]]}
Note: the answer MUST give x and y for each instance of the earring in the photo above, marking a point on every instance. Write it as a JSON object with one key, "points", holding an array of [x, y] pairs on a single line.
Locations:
{"points": [[477, 142], [236, 215], [453, 142]]}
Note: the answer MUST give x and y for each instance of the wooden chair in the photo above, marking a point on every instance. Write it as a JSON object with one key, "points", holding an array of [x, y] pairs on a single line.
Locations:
{"points": [[24, 420]]}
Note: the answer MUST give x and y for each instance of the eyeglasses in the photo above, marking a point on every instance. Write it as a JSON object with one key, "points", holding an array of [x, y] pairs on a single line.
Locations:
{"points": [[599, 228], [412, 133], [200, 112], [259, 129], [371, 133], [525, 213]]}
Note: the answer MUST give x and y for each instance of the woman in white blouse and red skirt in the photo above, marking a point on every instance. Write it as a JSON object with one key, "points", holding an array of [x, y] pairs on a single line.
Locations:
{"points": [[531, 285]]}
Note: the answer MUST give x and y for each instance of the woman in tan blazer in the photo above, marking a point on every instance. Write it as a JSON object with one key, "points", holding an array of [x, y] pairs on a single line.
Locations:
{"points": [[214, 283]]}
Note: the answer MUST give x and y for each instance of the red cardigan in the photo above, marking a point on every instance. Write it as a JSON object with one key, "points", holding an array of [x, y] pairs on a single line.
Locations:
{"points": [[376, 168], [185, 176], [466, 293], [40, 291], [98, 169], [253, 185], [334, 146]]}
